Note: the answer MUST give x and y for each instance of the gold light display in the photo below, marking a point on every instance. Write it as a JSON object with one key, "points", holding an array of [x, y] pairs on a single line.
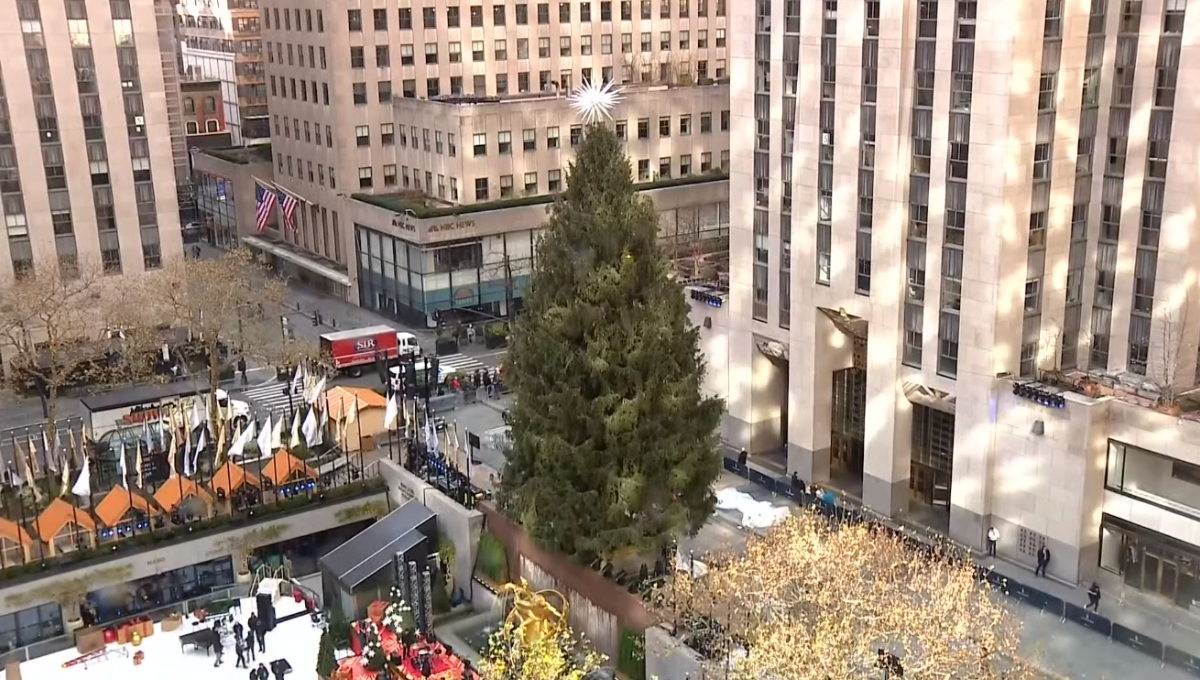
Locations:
{"points": [[808, 601]]}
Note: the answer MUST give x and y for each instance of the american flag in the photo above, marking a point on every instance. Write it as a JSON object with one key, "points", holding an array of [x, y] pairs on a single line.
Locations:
{"points": [[288, 203], [264, 204]]}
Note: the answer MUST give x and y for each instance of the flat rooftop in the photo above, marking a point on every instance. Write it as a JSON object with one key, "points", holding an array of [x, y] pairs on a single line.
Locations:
{"points": [[242, 155], [423, 206]]}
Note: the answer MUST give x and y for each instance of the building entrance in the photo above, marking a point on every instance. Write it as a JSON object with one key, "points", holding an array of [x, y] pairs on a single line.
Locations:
{"points": [[932, 456], [1150, 562], [849, 419]]}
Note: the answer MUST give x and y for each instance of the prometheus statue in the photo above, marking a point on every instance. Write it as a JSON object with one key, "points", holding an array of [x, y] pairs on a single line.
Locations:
{"points": [[533, 616]]}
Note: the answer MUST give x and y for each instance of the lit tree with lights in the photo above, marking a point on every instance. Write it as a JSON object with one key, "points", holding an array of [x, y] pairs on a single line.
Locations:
{"points": [[614, 447], [811, 602]]}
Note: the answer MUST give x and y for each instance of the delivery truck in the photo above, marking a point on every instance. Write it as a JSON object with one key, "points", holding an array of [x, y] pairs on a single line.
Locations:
{"points": [[355, 350]]}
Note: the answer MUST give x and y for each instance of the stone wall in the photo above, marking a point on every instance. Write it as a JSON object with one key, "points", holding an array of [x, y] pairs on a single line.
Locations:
{"points": [[460, 525], [599, 607]]}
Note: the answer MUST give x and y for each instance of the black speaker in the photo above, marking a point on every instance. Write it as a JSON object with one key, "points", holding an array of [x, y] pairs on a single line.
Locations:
{"points": [[266, 610]]}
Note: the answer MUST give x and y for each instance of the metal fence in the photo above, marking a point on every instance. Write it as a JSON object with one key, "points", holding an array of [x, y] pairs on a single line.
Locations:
{"points": [[1021, 592]]}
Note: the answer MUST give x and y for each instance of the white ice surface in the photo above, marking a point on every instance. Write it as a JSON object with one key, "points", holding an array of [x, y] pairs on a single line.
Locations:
{"points": [[755, 514], [296, 640]]}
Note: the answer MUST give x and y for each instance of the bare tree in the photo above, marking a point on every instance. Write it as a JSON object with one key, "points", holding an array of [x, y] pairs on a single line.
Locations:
{"points": [[64, 328], [1173, 325], [811, 601], [231, 306]]}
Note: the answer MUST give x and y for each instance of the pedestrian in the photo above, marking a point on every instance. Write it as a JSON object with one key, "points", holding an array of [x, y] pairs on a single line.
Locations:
{"points": [[993, 536], [742, 457], [260, 632], [1094, 597], [239, 645], [1043, 560], [238, 630], [470, 334], [263, 673], [196, 252], [241, 367], [250, 638], [798, 487], [217, 649]]}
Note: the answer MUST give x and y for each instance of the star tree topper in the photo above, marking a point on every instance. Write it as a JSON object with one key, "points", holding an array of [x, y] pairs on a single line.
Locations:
{"points": [[593, 102]]}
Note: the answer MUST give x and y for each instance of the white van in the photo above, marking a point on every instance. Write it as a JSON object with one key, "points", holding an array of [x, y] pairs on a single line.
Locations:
{"points": [[421, 367], [407, 345]]}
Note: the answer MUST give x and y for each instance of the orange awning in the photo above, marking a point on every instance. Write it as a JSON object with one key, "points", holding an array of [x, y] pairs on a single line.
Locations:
{"points": [[118, 502], [283, 465], [58, 515], [231, 477], [341, 400], [175, 491], [14, 532]]}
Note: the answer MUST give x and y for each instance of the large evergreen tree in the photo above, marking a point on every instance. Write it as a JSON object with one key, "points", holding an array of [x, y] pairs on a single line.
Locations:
{"points": [[614, 447]]}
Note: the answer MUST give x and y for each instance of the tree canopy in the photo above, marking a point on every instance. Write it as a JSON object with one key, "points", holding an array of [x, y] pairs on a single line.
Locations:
{"points": [[614, 447]]}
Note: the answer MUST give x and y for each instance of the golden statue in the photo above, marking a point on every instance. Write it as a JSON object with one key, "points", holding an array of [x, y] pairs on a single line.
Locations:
{"points": [[534, 617]]}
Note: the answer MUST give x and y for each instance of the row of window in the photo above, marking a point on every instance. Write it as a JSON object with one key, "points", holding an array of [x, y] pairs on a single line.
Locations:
{"points": [[308, 91], [666, 42], [210, 125], [667, 9]]}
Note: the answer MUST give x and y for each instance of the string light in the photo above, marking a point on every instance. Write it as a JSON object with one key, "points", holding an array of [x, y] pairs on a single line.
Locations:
{"points": [[808, 602]]}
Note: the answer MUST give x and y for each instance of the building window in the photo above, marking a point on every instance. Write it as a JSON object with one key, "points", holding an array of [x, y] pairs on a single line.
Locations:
{"points": [[554, 181], [479, 144], [365, 180], [531, 183], [481, 189]]}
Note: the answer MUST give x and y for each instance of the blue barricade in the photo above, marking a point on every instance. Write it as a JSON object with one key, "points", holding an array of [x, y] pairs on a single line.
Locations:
{"points": [[1144, 644], [1088, 619], [1182, 660]]}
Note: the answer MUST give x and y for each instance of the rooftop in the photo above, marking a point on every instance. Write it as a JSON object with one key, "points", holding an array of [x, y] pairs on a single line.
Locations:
{"points": [[1131, 388], [424, 207], [242, 155]]}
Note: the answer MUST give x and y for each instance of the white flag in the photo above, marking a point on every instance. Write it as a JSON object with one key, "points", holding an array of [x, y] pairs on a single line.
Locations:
{"points": [[316, 392], [324, 423], [124, 466], [239, 442], [437, 445], [139, 463], [352, 414], [264, 438], [310, 428], [389, 415], [277, 435], [51, 459], [294, 439], [200, 444], [83, 484], [196, 421], [298, 379], [187, 454]]}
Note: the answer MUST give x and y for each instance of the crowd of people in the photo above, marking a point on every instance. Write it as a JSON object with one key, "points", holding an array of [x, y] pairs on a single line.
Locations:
{"points": [[245, 640]]}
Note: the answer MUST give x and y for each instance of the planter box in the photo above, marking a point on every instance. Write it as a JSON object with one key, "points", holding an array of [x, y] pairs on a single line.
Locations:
{"points": [[495, 341], [445, 346], [172, 623]]}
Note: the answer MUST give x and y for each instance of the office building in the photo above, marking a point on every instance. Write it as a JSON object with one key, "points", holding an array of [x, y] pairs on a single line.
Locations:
{"points": [[962, 283], [222, 40], [423, 142], [91, 134]]}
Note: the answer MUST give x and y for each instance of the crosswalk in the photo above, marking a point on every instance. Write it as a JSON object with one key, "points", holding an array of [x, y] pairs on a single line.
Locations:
{"points": [[270, 398], [460, 363]]}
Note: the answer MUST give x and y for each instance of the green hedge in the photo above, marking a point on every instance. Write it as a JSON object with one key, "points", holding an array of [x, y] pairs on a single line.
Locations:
{"points": [[326, 661], [492, 561], [631, 659]]}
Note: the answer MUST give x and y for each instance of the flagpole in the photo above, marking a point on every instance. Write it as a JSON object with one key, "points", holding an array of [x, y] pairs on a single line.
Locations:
{"points": [[129, 487], [74, 507], [229, 478], [21, 501], [20, 498], [358, 421], [342, 440]]}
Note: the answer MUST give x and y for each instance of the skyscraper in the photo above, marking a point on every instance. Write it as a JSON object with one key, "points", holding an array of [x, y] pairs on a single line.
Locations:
{"points": [[962, 262], [91, 136]]}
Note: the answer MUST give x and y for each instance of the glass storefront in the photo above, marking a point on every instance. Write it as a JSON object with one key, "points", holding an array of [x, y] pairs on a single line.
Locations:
{"points": [[1168, 483], [410, 282], [1151, 562], [217, 207], [30, 626], [154, 592]]}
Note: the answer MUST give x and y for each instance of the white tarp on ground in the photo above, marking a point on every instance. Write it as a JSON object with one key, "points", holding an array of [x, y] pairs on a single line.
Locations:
{"points": [[756, 514]]}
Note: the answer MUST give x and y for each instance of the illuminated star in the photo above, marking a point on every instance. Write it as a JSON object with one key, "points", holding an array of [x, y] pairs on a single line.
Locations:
{"points": [[594, 102]]}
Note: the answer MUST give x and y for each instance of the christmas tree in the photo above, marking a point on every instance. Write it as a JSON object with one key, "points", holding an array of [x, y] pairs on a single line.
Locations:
{"points": [[614, 446]]}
